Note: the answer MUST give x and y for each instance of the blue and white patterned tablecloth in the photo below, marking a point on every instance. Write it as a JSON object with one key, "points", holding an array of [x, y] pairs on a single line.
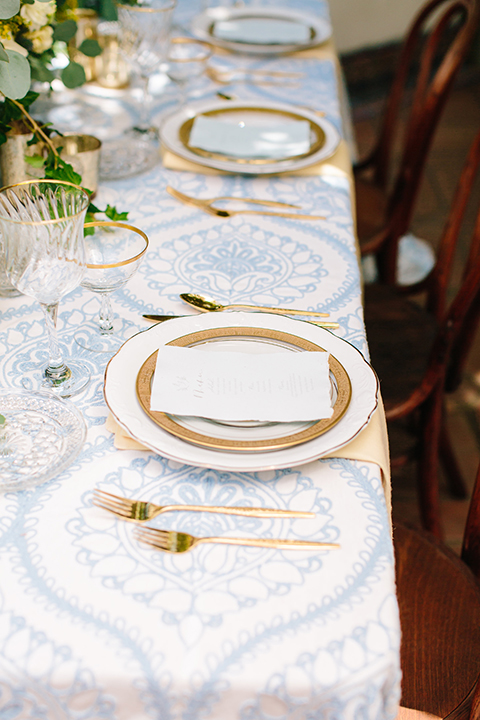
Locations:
{"points": [[95, 626]]}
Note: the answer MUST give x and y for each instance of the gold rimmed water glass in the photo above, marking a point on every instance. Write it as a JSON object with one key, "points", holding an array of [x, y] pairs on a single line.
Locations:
{"points": [[114, 251], [186, 62], [143, 36], [42, 227]]}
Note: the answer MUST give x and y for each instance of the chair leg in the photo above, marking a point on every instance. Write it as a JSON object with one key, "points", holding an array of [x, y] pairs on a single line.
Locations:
{"points": [[428, 466], [454, 477]]}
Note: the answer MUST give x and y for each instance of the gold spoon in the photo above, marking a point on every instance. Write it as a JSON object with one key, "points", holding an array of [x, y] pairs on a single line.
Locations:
{"points": [[208, 304]]}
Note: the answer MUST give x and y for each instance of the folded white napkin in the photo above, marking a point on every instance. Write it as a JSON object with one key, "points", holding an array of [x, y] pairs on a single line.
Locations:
{"points": [[262, 31], [243, 139], [236, 386]]}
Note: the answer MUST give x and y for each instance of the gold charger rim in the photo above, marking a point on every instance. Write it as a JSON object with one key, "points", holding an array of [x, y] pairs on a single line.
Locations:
{"points": [[315, 128], [168, 423]]}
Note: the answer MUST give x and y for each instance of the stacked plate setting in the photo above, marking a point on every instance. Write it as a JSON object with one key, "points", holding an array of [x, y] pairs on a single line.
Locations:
{"points": [[244, 447]]}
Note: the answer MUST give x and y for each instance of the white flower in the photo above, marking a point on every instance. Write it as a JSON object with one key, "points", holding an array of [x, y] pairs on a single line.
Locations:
{"points": [[37, 15], [10, 44], [41, 39]]}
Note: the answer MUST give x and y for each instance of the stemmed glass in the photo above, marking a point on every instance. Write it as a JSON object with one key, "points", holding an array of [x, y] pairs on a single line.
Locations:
{"points": [[186, 61], [42, 226], [144, 31], [114, 252]]}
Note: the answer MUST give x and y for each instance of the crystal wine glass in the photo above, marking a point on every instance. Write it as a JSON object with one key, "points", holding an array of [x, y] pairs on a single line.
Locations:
{"points": [[144, 31], [42, 226], [114, 252], [186, 61]]}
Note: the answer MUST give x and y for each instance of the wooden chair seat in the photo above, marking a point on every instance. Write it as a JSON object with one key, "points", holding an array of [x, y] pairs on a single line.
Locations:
{"points": [[400, 336], [439, 600]]}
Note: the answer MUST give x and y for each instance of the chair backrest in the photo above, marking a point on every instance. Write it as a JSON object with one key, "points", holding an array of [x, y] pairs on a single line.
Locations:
{"points": [[458, 323], [471, 537], [435, 47]]}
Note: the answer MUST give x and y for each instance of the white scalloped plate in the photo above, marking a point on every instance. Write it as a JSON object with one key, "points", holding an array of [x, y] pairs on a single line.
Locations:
{"points": [[121, 394]]}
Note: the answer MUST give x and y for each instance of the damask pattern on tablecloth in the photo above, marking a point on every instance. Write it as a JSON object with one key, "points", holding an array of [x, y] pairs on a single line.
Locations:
{"points": [[94, 626], [212, 684]]}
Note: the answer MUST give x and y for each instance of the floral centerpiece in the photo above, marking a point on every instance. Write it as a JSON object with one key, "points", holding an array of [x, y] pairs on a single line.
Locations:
{"points": [[29, 31], [32, 32]]}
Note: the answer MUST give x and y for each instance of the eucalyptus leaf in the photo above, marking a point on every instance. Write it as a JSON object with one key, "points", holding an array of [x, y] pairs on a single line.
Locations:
{"points": [[90, 47], [73, 75], [15, 76], [3, 54], [65, 31], [9, 8], [108, 10], [39, 71]]}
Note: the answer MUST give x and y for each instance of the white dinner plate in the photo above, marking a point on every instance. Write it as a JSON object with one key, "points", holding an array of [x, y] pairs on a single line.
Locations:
{"points": [[313, 30], [122, 399], [176, 130]]}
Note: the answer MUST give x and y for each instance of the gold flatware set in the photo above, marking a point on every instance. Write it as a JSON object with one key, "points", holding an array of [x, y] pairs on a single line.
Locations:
{"points": [[207, 206], [208, 304], [140, 511], [177, 542]]}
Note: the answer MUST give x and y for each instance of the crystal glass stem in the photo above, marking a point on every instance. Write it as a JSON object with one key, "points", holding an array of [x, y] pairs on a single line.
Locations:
{"points": [[56, 371], [146, 104], [106, 315]]}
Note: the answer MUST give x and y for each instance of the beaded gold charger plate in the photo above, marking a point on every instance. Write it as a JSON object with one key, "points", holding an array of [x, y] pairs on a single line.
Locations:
{"points": [[249, 436]]}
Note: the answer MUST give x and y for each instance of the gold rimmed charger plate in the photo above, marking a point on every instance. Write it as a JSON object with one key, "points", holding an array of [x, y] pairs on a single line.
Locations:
{"points": [[341, 387], [317, 134]]}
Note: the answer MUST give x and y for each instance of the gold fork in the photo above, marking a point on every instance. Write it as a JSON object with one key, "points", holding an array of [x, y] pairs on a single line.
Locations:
{"points": [[177, 542], [207, 206], [140, 511]]}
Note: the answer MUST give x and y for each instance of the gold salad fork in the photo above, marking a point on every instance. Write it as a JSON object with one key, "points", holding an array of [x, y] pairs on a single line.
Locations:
{"points": [[140, 511], [177, 542], [207, 206]]}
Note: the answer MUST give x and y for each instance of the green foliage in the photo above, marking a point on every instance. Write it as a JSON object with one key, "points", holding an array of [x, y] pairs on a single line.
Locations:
{"points": [[2, 420], [73, 75], [65, 31], [114, 215], [39, 71], [11, 113], [57, 169], [9, 8], [36, 161], [15, 75], [108, 9], [90, 47], [3, 54]]}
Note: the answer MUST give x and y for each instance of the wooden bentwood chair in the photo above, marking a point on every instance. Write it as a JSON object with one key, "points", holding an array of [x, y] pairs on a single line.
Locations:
{"points": [[418, 351], [434, 49], [439, 600]]}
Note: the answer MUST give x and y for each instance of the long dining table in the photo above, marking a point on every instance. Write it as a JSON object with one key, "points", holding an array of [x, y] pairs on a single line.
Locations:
{"points": [[95, 625]]}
